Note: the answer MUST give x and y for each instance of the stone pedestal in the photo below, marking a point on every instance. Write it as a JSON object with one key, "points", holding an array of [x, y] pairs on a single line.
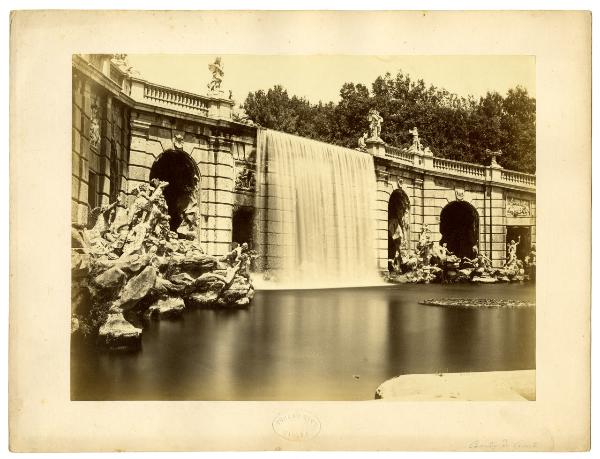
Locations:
{"points": [[219, 106], [376, 147]]}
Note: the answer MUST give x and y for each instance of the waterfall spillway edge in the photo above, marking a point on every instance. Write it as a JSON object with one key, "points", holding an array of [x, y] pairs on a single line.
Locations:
{"points": [[319, 211]]}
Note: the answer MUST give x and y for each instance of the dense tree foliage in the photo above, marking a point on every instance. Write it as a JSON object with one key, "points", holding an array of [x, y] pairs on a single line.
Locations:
{"points": [[453, 127]]}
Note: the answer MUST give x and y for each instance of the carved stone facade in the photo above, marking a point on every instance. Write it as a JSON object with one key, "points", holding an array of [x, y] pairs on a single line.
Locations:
{"points": [[100, 146], [123, 124]]}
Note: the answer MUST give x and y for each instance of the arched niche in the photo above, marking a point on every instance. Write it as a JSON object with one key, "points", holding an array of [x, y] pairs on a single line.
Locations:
{"points": [[459, 227], [398, 222], [178, 169]]}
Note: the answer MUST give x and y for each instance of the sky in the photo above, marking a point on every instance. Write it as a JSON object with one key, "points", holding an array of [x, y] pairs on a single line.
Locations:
{"points": [[320, 77]]}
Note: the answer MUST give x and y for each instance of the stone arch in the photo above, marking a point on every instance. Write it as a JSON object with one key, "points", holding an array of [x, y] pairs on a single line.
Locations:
{"points": [[459, 227], [398, 222], [179, 169]]}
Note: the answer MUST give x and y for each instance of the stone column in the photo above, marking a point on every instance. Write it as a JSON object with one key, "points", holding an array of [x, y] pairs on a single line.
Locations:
{"points": [[381, 217], [417, 210], [220, 208], [140, 160], [498, 226], [497, 212], [431, 212]]}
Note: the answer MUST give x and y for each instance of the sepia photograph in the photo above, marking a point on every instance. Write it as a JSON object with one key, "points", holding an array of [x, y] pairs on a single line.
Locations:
{"points": [[299, 231], [303, 227]]}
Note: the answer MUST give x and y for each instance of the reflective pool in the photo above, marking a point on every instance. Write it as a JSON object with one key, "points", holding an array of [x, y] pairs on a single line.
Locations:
{"points": [[337, 344]]}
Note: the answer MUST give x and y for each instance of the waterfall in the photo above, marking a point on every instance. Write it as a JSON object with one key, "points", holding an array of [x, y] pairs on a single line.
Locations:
{"points": [[319, 218]]}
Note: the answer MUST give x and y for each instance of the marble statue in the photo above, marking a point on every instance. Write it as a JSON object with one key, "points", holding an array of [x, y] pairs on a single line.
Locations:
{"points": [[216, 69], [362, 142], [416, 142], [512, 251], [375, 121]]}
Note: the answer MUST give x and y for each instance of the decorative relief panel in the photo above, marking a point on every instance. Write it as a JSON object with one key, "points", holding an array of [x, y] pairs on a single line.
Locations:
{"points": [[245, 179], [95, 126], [516, 207]]}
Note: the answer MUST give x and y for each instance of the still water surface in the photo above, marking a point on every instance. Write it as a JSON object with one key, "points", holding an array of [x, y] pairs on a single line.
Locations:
{"points": [[337, 344]]}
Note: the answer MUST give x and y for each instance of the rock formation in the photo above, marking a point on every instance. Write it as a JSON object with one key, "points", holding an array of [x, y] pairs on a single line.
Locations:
{"points": [[129, 264], [432, 262]]}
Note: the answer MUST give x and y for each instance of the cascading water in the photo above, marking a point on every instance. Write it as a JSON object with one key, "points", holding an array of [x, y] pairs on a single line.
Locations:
{"points": [[319, 202]]}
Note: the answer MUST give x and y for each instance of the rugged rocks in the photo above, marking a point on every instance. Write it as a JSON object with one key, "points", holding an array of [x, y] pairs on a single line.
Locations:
{"points": [[118, 334], [137, 266], [137, 288], [495, 303], [434, 263], [168, 307]]}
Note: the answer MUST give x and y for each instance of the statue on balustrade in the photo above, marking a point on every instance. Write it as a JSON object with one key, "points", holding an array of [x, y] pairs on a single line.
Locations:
{"points": [[362, 142], [375, 122], [416, 145], [216, 69]]}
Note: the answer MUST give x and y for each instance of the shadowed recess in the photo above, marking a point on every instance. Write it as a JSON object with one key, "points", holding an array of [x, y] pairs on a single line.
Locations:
{"points": [[459, 226], [179, 169]]}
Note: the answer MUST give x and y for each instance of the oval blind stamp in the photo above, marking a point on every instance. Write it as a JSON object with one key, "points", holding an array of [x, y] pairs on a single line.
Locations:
{"points": [[296, 425]]}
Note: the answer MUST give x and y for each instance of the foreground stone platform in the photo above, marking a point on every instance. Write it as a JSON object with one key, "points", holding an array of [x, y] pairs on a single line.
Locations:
{"points": [[477, 386]]}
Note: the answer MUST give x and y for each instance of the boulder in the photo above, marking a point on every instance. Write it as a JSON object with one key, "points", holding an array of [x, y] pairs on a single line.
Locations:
{"points": [[205, 300], [137, 288], [110, 279], [169, 307], [238, 294], [182, 278], [116, 334], [484, 280], [164, 286]]}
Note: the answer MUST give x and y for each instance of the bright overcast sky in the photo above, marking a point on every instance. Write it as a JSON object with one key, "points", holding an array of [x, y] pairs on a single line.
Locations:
{"points": [[321, 77]]}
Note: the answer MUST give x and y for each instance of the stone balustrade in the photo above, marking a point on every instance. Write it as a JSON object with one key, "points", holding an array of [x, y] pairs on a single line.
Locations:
{"points": [[172, 98], [212, 105], [399, 154], [517, 177], [460, 168]]}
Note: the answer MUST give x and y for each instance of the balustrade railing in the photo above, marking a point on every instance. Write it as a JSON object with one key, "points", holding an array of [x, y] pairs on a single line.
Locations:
{"points": [[184, 101], [459, 167], [517, 177], [399, 153]]}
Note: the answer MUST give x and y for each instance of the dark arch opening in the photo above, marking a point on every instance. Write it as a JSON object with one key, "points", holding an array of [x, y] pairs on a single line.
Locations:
{"points": [[459, 226], [398, 223], [179, 169], [242, 224]]}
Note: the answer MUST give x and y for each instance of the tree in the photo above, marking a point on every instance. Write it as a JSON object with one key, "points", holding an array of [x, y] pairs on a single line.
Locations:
{"points": [[453, 127]]}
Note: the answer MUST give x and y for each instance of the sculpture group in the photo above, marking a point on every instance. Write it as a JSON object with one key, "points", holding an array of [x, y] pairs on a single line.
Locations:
{"points": [[130, 265], [434, 262]]}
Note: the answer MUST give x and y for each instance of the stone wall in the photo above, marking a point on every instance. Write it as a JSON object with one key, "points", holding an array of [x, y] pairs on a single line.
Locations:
{"points": [[119, 132], [212, 148], [100, 147], [429, 193]]}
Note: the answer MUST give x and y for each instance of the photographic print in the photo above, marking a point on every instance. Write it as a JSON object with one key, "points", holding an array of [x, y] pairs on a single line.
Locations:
{"points": [[268, 230], [305, 233]]}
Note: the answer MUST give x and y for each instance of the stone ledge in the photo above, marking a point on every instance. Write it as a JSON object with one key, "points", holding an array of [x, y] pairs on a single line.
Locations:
{"points": [[477, 386]]}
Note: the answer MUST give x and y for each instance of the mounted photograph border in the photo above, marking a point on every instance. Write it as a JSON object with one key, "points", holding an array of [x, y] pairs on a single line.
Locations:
{"points": [[42, 417]]}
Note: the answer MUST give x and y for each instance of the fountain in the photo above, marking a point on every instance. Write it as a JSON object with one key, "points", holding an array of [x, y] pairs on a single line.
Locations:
{"points": [[319, 202]]}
